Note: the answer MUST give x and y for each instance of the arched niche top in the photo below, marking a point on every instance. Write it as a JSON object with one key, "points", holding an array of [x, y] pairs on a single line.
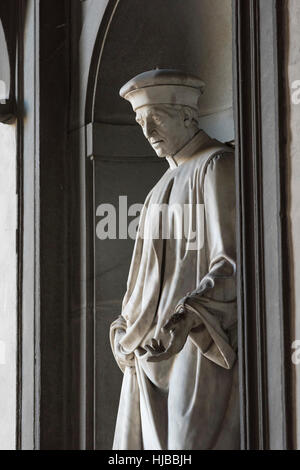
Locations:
{"points": [[8, 31], [4, 67], [138, 35]]}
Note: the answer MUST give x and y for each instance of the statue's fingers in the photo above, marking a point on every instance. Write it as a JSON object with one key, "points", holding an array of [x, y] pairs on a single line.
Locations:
{"points": [[158, 346], [160, 357], [149, 349], [164, 355], [154, 343], [154, 351]]}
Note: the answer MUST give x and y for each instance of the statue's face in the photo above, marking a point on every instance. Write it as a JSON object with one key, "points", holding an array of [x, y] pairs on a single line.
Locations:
{"points": [[165, 127]]}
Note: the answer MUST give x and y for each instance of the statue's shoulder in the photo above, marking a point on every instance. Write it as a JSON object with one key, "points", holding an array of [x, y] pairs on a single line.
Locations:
{"points": [[216, 157], [215, 149]]}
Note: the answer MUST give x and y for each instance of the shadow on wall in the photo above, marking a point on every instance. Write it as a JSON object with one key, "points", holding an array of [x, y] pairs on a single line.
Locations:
{"points": [[191, 35]]}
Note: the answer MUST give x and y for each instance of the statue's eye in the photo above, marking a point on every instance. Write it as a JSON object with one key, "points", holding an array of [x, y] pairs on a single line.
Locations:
{"points": [[157, 119]]}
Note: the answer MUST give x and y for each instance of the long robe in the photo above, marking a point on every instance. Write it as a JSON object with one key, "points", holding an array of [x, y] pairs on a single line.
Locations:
{"points": [[189, 401]]}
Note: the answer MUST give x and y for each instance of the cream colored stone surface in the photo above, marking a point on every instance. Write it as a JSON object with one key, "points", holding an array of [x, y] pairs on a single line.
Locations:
{"points": [[294, 189], [175, 340], [8, 217], [188, 400]]}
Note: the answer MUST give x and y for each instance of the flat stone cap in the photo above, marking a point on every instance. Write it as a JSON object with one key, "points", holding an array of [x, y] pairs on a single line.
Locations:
{"points": [[163, 86]]}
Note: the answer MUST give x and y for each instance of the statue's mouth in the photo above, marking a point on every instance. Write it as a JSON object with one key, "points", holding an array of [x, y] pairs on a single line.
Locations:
{"points": [[156, 142]]}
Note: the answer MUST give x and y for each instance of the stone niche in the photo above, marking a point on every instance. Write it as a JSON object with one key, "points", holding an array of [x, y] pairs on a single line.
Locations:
{"points": [[8, 24], [192, 35]]}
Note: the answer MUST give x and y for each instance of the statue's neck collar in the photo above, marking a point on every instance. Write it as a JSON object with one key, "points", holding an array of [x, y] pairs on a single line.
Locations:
{"points": [[198, 142]]}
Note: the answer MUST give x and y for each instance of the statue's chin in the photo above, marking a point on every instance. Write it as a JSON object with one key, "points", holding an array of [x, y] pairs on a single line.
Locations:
{"points": [[159, 152]]}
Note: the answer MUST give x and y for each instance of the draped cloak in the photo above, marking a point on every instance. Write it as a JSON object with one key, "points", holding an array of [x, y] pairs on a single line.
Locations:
{"points": [[189, 401]]}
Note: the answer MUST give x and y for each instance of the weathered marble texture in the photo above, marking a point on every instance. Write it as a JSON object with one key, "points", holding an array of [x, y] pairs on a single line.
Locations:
{"points": [[189, 401]]}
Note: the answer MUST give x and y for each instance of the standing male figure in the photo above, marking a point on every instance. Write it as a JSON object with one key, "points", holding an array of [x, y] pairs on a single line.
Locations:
{"points": [[175, 340]]}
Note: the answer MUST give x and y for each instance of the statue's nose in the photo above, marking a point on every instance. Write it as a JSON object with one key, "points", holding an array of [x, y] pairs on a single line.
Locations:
{"points": [[148, 129]]}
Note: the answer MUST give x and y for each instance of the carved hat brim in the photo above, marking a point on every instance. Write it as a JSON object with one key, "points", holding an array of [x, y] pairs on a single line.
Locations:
{"points": [[163, 86]]}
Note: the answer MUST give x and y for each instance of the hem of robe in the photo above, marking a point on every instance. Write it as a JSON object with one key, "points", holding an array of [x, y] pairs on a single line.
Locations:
{"points": [[213, 343]]}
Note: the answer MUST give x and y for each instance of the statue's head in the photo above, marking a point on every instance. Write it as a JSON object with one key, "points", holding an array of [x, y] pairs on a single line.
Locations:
{"points": [[166, 103]]}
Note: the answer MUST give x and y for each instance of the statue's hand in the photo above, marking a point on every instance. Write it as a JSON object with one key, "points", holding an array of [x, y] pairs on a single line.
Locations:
{"points": [[179, 326], [128, 359]]}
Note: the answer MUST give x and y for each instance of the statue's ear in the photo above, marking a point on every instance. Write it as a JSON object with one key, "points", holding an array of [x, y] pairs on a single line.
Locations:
{"points": [[187, 116]]}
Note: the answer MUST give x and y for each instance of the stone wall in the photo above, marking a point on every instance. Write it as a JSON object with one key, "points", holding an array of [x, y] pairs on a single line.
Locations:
{"points": [[294, 185], [8, 217]]}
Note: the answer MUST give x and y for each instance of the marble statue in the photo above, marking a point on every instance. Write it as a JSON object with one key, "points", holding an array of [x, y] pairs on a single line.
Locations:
{"points": [[175, 339]]}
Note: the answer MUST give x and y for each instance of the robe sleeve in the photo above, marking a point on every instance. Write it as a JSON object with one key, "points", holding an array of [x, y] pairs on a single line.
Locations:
{"points": [[214, 301], [219, 207], [119, 324]]}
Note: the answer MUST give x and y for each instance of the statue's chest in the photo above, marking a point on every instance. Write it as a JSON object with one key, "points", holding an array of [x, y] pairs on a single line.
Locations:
{"points": [[180, 186], [175, 208]]}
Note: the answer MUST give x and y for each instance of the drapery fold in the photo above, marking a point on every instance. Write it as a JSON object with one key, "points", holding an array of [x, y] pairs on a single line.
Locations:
{"points": [[166, 274]]}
